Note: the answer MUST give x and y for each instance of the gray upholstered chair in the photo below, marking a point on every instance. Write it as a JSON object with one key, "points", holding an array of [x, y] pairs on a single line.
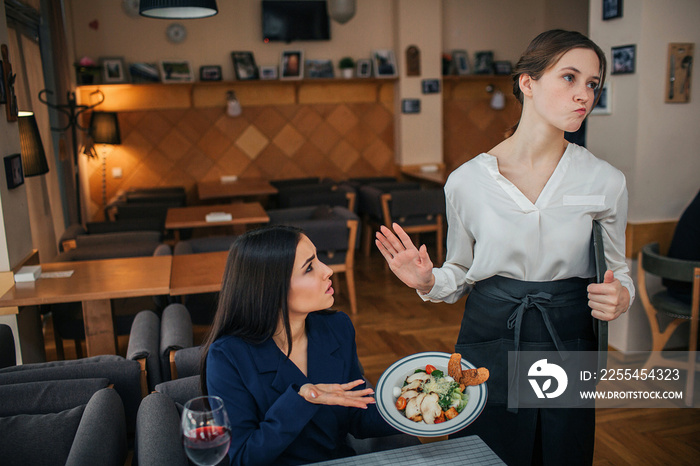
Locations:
{"points": [[123, 374], [416, 210], [202, 306], [666, 312], [152, 340], [72, 422], [328, 193], [333, 230]]}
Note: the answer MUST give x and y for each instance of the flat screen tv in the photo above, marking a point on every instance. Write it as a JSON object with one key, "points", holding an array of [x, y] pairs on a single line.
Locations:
{"points": [[290, 20]]}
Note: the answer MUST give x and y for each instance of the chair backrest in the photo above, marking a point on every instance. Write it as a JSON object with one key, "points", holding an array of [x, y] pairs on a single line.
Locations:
{"points": [[175, 334], [666, 267], [112, 246], [204, 244], [327, 227], [412, 207], [8, 357], [288, 182]]}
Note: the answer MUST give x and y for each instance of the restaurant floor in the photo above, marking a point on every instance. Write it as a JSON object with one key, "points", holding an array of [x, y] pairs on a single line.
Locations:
{"points": [[392, 322]]}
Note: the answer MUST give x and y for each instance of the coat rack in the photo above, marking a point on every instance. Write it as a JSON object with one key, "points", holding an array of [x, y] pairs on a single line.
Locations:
{"points": [[72, 110]]}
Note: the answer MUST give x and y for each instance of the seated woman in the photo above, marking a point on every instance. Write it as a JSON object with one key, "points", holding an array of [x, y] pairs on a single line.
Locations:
{"points": [[286, 368]]}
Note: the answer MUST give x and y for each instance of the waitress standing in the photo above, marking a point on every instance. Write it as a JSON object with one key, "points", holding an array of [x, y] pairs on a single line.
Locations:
{"points": [[519, 230]]}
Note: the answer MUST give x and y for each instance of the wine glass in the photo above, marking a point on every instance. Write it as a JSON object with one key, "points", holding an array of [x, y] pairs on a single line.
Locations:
{"points": [[206, 430]]}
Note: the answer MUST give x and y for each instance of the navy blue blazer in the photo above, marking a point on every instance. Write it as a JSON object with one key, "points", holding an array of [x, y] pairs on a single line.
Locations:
{"points": [[270, 422]]}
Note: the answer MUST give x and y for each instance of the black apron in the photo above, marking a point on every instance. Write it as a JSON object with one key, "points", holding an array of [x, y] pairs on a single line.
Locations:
{"points": [[502, 315]]}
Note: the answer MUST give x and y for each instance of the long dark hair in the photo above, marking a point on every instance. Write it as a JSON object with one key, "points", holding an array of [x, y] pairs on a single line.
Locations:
{"points": [[545, 50], [254, 289]]}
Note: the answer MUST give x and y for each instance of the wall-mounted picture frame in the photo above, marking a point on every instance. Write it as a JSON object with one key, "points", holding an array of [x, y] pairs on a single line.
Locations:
{"points": [[176, 71], [430, 86], [113, 70], [410, 106], [384, 64], [502, 67], [210, 73], [604, 104], [319, 69], [483, 62], [244, 66], [364, 68], [13, 171], [612, 9], [3, 94], [268, 72], [292, 64], [144, 73], [678, 69], [623, 59], [460, 61]]}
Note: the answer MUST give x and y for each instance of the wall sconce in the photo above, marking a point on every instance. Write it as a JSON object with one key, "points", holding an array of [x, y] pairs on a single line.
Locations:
{"points": [[341, 11], [178, 9], [233, 106], [32, 150], [104, 129], [498, 99]]}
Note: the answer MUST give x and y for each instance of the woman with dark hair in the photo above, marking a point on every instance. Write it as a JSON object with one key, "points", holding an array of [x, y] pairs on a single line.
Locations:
{"points": [[287, 373], [520, 221]]}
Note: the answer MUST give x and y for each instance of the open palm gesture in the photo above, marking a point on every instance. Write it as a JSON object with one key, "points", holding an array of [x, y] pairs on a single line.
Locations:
{"points": [[411, 265]]}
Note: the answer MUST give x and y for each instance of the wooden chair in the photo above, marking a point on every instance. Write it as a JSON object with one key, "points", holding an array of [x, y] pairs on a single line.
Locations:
{"points": [[662, 306]]}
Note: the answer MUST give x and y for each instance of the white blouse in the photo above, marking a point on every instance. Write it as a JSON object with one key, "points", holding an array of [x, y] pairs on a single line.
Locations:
{"points": [[493, 229]]}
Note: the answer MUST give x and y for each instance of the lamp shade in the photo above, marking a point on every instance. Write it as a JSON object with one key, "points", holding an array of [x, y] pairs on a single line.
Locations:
{"points": [[32, 150], [178, 9], [341, 11], [104, 128]]}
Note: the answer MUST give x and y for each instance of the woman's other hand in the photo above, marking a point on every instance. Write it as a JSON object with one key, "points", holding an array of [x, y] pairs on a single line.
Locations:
{"points": [[412, 266], [609, 299], [338, 394]]}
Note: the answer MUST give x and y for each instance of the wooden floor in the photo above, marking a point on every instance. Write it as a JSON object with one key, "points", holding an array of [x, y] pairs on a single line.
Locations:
{"points": [[393, 322]]}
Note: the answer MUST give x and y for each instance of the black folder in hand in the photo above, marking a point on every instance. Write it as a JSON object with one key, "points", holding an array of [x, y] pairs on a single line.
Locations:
{"points": [[598, 254]]}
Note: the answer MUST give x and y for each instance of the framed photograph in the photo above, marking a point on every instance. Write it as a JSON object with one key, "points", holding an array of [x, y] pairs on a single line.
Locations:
{"points": [[460, 60], [268, 72], [623, 59], [176, 71], [612, 9], [384, 64], [3, 94], [680, 61], [502, 67], [364, 68], [483, 62], [144, 73], [113, 70], [430, 86], [13, 171], [244, 66], [292, 64], [210, 73], [604, 105], [319, 69], [410, 106]]}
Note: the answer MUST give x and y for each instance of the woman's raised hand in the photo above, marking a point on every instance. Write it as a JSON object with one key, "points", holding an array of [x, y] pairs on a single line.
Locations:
{"points": [[412, 266], [338, 394]]}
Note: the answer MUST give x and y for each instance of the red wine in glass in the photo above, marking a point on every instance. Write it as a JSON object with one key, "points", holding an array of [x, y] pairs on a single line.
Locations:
{"points": [[206, 432], [207, 445]]}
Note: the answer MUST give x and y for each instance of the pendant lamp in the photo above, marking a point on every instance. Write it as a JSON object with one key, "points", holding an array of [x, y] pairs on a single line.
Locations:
{"points": [[178, 9], [341, 11]]}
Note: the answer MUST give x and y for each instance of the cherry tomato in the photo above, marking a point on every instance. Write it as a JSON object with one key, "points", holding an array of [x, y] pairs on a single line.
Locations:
{"points": [[401, 403], [429, 369]]}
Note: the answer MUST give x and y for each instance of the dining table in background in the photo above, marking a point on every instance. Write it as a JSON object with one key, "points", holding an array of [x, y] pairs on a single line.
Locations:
{"points": [[197, 273], [234, 189], [94, 283], [241, 214], [434, 173], [461, 451]]}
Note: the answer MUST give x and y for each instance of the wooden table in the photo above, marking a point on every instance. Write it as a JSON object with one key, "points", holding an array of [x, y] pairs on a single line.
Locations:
{"points": [[434, 173], [195, 216], [95, 283], [197, 273], [244, 187]]}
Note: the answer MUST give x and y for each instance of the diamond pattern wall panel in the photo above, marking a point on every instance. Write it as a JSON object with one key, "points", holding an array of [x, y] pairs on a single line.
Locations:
{"points": [[182, 147]]}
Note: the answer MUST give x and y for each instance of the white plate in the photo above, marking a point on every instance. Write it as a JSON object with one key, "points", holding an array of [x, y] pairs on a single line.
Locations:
{"points": [[395, 375]]}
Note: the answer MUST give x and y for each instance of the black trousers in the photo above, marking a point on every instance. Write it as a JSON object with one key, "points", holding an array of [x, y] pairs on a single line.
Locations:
{"points": [[503, 315]]}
